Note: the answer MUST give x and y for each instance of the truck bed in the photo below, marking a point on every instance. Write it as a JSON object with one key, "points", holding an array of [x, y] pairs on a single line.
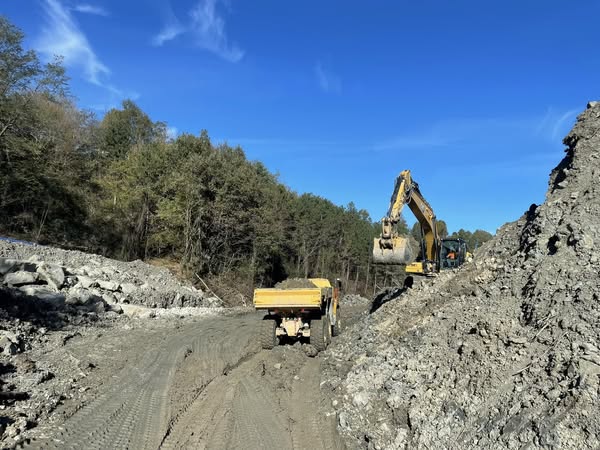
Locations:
{"points": [[306, 298]]}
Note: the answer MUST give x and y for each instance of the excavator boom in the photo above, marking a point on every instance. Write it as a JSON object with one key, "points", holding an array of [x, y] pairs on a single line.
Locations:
{"points": [[390, 248]]}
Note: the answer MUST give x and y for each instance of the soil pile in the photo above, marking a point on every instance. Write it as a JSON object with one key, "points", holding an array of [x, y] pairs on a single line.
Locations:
{"points": [[503, 352], [295, 283]]}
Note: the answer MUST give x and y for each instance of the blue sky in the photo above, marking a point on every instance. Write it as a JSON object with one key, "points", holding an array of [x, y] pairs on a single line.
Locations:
{"points": [[338, 97]]}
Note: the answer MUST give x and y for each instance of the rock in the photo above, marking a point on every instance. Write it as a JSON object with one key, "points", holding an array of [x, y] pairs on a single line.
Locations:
{"points": [[592, 104], [310, 350], [109, 298], [85, 282], [85, 300], [44, 293], [360, 399], [115, 308], [7, 265], [20, 278], [128, 288], [54, 275], [277, 366], [343, 420], [12, 337], [10, 343], [109, 285]]}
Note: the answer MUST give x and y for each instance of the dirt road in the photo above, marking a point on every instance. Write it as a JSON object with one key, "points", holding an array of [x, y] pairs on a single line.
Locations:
{"points": [[204, 385]]}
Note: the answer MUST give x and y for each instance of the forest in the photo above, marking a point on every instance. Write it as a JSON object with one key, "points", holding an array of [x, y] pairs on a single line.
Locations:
{"points": [[120, 186]]}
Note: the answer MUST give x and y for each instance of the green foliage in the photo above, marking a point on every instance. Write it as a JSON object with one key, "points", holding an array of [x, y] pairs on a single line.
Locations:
{"points": [[123, 129], [40, 137], [474, 239]]}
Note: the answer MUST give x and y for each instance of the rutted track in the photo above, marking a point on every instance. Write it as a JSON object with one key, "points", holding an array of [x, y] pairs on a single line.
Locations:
{"points": [[205, 385]]}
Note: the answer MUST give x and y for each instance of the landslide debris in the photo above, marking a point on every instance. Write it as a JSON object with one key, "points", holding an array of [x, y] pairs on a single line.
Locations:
{"points": [[39, 271], [502, 353], [52, 300]]}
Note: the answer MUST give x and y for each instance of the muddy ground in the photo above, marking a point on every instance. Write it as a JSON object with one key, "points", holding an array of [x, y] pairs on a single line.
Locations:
{"points": [[174, 382]]}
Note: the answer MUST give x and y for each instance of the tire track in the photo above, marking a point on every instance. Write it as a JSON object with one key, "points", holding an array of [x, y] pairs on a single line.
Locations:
{"points": [[206, 386]]}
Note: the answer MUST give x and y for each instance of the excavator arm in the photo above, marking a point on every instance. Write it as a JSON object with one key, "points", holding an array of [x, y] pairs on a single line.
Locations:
{"points": [[390, 248]]}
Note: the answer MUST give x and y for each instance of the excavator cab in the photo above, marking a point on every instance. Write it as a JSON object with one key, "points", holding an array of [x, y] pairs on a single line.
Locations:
{"points": [[453, 253]]}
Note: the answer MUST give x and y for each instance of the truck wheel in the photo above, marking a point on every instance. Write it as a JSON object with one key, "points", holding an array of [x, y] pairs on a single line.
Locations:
{"points": [[318, 335], [268, 338]]}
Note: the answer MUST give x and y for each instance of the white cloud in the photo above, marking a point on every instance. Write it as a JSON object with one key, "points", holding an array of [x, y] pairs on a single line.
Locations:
{"points": [[169, 32], [86, 8], [209, 29], [328, 81], [206, 26], [62, 36]]}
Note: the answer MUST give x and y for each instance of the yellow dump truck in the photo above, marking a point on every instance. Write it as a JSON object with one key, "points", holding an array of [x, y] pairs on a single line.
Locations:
{"points": [[300, 308]]}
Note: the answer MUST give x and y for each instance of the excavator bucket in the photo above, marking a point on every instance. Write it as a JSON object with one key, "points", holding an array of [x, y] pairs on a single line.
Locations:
{"points": [[400, 253]]}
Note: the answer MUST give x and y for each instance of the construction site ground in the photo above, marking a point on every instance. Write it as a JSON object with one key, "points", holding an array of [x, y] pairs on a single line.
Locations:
{"points": [[183, 383]]}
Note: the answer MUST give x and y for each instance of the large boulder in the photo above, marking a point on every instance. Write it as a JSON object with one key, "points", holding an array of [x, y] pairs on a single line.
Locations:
{"points": [[45, 294], [52, 274], [20, 278], [86, 300]]}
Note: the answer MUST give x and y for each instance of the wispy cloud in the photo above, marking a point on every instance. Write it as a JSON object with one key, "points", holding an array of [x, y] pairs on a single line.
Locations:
{"points": [[328, 81], [465, 131], [555, 123], [87, 8], [206, 26], [62, 36], [168, 33]]}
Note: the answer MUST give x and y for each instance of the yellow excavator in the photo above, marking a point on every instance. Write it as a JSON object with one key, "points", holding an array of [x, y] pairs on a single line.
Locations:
{"points": [[391, 249]]}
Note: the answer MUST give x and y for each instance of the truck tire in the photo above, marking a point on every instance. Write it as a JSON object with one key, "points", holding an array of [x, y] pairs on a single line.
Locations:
{"points": [[268, 338], [318, 334]]}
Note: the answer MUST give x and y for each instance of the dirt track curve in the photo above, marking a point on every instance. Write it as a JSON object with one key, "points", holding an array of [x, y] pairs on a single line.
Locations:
{"points": [[204, 385]]}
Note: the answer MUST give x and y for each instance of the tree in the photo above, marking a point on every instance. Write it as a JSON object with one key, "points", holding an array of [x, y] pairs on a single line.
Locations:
{"points": [[122, 129]]}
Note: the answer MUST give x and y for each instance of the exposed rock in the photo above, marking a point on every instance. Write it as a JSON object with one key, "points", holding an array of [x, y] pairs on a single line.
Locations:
{"points": [[20, 278], [52, 274], [129, 288], [108, 285]]}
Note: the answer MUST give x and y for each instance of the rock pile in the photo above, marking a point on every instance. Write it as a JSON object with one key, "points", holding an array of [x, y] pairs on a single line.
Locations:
{"points": [[86, 280], [503, 353]]}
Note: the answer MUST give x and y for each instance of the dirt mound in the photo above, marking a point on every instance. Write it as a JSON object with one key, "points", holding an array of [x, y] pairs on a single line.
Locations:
{"points": [[295, 283], [501, 353]]}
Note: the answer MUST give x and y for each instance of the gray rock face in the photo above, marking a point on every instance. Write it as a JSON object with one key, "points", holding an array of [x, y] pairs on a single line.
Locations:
{"points": [[20, 278]]}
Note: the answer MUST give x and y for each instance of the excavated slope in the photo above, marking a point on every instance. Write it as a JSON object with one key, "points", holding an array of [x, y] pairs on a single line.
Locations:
{"points": [[503, 353]]}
